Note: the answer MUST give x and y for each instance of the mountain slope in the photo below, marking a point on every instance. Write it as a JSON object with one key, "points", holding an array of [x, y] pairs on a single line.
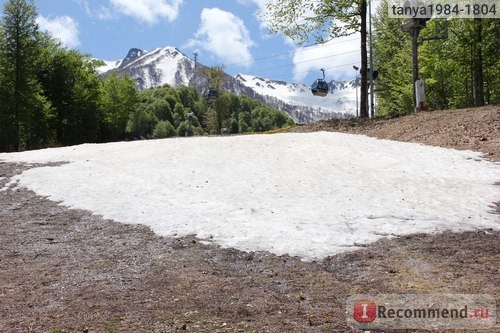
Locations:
{"points": [[168, 65], [297, 100]]}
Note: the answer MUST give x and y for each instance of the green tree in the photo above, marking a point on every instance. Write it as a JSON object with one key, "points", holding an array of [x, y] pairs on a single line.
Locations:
{"points": [[161, 108], [392, 56], [187, 96], [257, 125], [242, 124], [198, 131], [172, 100], [233, 126], [215, 120], [303, 20], [72, 85], [21, 95], [234, 113], [142, 124], [199, 109], [185, 129], [438, 69], [210, 122], [222, 109], [455, 71], [179, 114], [164, 129], [475, 44], [280, 120], [215, 76], [118, 101]]}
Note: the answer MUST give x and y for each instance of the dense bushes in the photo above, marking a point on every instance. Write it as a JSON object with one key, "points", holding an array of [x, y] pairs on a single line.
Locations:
{"points": [[185, 113]]}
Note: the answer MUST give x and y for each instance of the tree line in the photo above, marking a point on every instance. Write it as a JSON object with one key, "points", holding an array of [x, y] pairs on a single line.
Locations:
{"points": [[167, 112], [53, 96], [461, 68]]}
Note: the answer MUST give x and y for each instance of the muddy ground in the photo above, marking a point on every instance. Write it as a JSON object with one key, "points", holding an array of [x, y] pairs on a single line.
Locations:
{"points": [[65, 270]]}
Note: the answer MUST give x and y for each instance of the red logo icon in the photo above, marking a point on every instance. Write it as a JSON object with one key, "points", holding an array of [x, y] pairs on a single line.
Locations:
{"points": [[365, 311]]}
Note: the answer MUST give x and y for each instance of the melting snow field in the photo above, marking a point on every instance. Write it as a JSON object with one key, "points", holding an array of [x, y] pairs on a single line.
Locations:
{"points": [[310, 195]]}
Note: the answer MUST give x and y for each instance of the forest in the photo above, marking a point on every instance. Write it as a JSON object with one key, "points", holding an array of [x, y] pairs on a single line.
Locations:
{"points": [[51, 96], [458, 60]]}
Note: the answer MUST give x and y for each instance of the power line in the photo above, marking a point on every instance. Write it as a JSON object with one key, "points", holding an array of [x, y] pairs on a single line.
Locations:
{"points": [[301, 62], [324, 44], [309, 71], [234, 64], [317, 45]]}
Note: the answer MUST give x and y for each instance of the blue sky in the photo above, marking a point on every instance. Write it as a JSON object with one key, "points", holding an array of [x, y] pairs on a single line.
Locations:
{"points": [[224, 32]]}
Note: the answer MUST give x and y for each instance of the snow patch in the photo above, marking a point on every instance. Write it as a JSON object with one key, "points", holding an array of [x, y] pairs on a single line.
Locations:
{"points": [[108, 66], [310, 195]]}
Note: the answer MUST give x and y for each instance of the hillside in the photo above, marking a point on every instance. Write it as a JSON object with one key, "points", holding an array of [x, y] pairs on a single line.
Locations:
{"points": [[476, 129], [67, 270]]}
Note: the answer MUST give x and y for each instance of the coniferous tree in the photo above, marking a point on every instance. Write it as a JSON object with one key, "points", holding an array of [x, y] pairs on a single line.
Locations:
{"points": [[73, 88], [23, 106]]}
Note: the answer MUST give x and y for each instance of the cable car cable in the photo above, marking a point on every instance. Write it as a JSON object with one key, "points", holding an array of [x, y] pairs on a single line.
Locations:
{"points": [[234, 64]]}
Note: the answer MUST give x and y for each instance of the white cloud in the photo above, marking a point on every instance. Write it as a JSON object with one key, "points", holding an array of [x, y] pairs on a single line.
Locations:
{"points": [[63, 28], [261, 10], [101, 12], [337, 58], [148, 10], [224, 35], [104, 13], [259, 3]]}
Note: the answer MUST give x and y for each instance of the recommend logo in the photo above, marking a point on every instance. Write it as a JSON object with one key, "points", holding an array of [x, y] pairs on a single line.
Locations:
{"points": [[418, 311]]}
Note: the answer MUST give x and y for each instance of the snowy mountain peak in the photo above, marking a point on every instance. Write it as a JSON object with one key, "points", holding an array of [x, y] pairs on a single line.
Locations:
{"points": [[165, 65], [133, 54]]}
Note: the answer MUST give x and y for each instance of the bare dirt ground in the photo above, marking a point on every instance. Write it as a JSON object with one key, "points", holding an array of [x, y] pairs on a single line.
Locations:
{"points": [[65, 270], [466, 129]]}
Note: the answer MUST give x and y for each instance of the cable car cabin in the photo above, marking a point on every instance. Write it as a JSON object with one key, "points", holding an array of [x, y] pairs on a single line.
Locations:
{"points": [[319, 88], [211, 95]]}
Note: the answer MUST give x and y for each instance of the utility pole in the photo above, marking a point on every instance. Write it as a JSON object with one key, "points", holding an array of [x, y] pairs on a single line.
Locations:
{"points": [[372, 104], [414, 50], [356, 68], [195, 67], [413, 26]]}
